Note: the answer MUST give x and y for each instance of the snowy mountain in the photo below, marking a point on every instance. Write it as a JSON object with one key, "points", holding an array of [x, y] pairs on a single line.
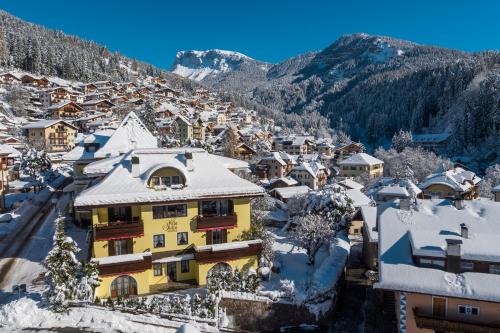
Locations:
{"points": [[213, 66], [371, 86]]}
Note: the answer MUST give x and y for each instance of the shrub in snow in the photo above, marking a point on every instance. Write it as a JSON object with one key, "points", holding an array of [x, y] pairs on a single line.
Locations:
{"points": [[166, 305], [491, 179], [34, 162], [251, 283], [287, 289], [176, 306], [88, 281], [237, 283], [186, 305], [412, 163], [197, 305], [62, 268]]}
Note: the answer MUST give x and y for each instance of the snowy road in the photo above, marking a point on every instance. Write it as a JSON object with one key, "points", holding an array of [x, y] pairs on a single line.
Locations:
{"points": [[22, 251]]}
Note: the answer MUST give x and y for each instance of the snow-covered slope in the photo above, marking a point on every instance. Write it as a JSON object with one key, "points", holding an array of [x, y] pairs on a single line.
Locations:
{"points": [[219, 68]]}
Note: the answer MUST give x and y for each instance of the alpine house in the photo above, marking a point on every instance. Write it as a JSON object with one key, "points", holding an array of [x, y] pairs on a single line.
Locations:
{"points": [[162, 218]]}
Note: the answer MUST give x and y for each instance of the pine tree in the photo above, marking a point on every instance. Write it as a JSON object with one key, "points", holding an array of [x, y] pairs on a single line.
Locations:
{"points": [[62, 268], [401, 140], [230, 142], [34, 162]]}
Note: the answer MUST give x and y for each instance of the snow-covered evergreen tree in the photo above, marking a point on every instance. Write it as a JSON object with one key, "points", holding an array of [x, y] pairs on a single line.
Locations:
{"points": [[148, 117], [34, 162], [62, 268], [401, 140], [197, 305]]}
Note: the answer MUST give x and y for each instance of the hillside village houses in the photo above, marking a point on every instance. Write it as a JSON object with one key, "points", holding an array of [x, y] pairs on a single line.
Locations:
{"points": [[162, 215]]}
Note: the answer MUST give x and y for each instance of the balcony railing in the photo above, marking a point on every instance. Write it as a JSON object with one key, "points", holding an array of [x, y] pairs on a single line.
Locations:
{"points": [[125, 265], [117, 230], [216, 222], [429, 321], [227, 251]]}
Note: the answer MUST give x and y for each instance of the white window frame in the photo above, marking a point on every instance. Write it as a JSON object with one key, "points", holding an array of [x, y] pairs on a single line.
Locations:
{"points": [[468, 310]]}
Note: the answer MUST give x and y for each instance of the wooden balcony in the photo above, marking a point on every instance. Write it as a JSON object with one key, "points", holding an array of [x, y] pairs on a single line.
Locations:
{"points": [[227, 251], [216, 222], [117, 230], [125, 266], [428, 321]]}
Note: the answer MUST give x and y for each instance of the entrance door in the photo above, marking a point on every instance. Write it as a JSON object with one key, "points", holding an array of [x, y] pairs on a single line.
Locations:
{"points": [[171, 271], [439, 306]]}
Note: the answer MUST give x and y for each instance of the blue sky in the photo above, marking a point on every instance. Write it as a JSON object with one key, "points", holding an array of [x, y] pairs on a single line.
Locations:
{"points": [[272, 31]]}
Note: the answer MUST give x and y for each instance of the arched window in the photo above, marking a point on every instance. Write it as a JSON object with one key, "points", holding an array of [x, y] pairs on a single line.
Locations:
{"points": [[123, 286]]}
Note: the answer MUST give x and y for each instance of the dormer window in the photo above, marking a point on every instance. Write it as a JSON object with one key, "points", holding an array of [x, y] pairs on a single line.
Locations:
{"points": [[167, 178]]}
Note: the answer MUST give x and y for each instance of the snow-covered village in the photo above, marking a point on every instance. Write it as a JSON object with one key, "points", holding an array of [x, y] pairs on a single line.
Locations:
{"points": [[351, 189]]}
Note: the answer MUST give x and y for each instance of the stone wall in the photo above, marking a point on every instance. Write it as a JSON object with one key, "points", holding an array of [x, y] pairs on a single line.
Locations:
{"points": [[252, 315]]}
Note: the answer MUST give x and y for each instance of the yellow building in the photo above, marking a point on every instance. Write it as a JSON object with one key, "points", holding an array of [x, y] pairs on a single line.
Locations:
{"points": [[54, 135], [456, 183], [162, 218], [361, 163]]}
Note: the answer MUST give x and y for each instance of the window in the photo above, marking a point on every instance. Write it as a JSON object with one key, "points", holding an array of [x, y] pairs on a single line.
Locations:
{"points": [[432, 263], [119, 213], [185, 266], [495, 269], [176, 180], [219, 236], [468, 310], [164, 211], [165, 181], [466, 266], [157, 269], [122, 247], [159, 240], [182, 238], [216, 207]]}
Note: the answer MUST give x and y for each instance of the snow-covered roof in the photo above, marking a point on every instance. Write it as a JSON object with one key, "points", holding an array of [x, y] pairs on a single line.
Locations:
{"points": [[313, 168], [396, 191], [130, 134], [425, 138], [291, 191], [358, 198], [232, 163], [287, 180], [424, 232], [361, 159], [369, 214], [496, 189], [350, 184], [61, 104], [280, 157], [99, 137], [121, 258], [9, 150], [45, 123], [391, 186], [206, 177], [458, 179]]}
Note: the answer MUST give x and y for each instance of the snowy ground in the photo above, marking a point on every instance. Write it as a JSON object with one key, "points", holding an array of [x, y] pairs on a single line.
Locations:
{"points": [[311, 282], [14, 316]]}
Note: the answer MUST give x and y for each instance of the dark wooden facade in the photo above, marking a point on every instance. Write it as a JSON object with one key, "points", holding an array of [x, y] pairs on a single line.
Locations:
{"points": [[216, 222], [118, 230], [126, 267], [209, 256]]}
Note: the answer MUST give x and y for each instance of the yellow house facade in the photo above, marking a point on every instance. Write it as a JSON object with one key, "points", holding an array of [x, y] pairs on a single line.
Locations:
{"points": [[174, 237], [361, 163], [54, 135]]}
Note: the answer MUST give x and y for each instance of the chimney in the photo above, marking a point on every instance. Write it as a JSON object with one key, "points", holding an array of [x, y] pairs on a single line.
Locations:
{"points": [[404, 204], [464, 231], [459, 204], [189, 160], [136, 167], [453, 254]]}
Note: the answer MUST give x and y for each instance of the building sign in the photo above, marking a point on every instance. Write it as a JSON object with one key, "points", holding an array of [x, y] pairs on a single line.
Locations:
{"points": [[170, 226]]}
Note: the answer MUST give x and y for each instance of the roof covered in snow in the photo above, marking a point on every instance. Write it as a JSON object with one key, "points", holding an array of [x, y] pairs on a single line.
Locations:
{"points": [[424, 232], [99, 137], [205, 177], [9, 151], [292, 191], [350, 184], [458, 179], [130, 134], [45, 123], [361, 159], [358, 198]]}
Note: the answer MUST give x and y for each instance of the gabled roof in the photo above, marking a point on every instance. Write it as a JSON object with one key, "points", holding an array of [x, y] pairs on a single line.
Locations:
{"points": [[99, 137], [423, 232], [63, 103], [361, 159], [46, 123], [9, 151], [458, 179], [130, 134]]}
